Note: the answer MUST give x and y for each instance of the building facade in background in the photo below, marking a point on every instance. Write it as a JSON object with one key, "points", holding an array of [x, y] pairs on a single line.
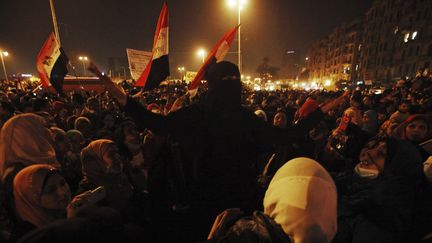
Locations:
{"points": [[398, 39], [337, 56], [392, 41], [291, 60]]}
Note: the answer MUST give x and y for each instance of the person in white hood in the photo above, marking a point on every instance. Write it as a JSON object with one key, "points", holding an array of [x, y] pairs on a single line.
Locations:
{"points": [[300, 206], [302, 198]]}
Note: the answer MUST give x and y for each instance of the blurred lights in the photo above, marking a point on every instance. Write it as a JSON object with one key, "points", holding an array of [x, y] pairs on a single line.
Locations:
{"points": [[414, 35], [327, 82], [237, 3], [202, 53]]}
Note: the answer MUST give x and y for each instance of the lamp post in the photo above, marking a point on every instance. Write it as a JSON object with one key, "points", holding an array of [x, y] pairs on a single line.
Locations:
{"points": [[181, 70], [2, 54], [239, 4], [202, 53], [83, 60]]}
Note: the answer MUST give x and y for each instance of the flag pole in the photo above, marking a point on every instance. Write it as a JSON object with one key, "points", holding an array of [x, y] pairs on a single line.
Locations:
{"points": [[56, 31]]}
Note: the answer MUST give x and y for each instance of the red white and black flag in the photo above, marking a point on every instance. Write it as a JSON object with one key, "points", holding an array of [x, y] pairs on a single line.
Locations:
{"points": [[52, 64], [158, 68], [216, 55]]}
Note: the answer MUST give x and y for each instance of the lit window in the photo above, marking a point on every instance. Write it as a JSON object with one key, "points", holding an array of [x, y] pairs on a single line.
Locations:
{"points": [[406, 37]]}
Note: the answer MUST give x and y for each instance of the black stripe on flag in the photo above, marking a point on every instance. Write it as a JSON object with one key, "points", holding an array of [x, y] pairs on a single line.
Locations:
{"points": [[158, 73], [59, 71]]}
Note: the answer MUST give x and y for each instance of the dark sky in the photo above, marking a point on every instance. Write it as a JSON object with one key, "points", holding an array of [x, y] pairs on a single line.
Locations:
{"points": [[104, 28]]}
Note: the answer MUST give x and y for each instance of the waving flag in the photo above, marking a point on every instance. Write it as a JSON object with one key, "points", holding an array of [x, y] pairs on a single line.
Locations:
{"points": [[158, 68], [216, 55], [51, 64]]}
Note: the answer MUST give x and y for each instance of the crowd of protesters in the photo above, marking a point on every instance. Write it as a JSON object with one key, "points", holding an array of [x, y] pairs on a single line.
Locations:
{"points": [[228, 165]]}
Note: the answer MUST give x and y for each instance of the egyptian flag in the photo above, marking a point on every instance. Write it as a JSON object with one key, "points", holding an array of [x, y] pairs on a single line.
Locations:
{"points": [[216, 55], [158, 68], [51, 64]]}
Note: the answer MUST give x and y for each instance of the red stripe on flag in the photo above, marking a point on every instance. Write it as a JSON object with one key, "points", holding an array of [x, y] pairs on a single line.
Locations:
{"points": [[218, 53], [43, 57], [162, 23]]}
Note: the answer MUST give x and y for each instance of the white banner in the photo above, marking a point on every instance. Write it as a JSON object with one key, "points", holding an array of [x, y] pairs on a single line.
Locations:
{"points": [[138, 61]]}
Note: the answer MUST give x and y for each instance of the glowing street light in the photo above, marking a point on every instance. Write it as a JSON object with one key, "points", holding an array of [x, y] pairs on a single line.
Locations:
{"points": [[202, 53], [83, 59], [239, 4], [4, 54], [181, 70]]}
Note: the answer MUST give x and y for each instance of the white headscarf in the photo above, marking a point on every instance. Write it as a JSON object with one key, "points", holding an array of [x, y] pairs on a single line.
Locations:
{"points": [[302, 198], [25, 139], [261, 114]]}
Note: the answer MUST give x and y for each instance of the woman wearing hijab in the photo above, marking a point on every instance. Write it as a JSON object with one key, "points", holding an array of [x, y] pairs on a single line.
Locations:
{"points": [[299, 206], [377, 198], [43, 203], [24, 141], [102, 166], [41, 196], [370, 122], [416, 129], [220, 141]]}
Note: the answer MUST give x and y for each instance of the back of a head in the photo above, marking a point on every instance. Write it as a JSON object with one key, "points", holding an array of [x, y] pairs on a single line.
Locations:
{"points": [[302, 198]]}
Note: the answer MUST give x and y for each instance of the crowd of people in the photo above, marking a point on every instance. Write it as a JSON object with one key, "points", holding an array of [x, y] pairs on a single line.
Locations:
{"points": [[227, 165]]}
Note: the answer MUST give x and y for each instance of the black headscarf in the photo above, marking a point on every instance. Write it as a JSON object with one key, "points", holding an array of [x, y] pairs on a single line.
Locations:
{"points": [[388, 200], [224, 87]]}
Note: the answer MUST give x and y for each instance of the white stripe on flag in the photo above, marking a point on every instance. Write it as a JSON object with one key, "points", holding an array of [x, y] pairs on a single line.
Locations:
{"points": [[161, 48]]}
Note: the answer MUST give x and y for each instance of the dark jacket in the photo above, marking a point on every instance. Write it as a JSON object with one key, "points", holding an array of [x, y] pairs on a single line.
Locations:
{"points": [[219, 147], [387, 202]]}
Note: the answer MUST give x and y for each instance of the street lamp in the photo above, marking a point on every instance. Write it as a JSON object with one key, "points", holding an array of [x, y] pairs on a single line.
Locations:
{"points": [[202, 53], [4, 53], [83, 59], [239, 4], [181, 70]]}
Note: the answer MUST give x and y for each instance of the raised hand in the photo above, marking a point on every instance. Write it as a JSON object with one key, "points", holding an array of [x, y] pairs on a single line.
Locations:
{"points": [[223, 220], [110, 86], [334, 103]]}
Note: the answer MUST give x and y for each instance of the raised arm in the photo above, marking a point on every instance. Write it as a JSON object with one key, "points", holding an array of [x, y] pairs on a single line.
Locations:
{"points": [[143, 117]]}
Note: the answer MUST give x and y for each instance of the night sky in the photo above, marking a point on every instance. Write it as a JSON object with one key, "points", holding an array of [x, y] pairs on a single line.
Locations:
{"points": [[105, 28]]}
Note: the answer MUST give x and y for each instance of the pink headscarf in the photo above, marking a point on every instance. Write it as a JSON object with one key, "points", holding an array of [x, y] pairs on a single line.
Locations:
{"points": [[28, 189], [24, 139], [118, 188]]}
